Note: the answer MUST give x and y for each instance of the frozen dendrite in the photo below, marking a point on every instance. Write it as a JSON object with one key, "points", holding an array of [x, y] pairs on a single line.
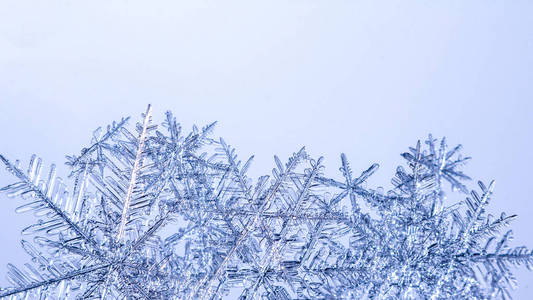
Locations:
{"points": [[159, 214]]}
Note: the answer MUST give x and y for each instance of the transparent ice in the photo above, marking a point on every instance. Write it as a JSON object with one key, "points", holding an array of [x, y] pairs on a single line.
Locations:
{"points": [[157, 213]]}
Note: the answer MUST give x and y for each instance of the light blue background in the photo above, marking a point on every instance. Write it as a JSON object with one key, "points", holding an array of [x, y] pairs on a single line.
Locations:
{"points": [[364, 78]]}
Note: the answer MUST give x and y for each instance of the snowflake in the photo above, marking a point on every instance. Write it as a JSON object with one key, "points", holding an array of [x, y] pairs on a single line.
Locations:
{"points": [[163, 214]]}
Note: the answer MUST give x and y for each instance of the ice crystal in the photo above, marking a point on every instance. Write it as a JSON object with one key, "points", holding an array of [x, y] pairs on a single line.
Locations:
{"points": [[161, 214]]}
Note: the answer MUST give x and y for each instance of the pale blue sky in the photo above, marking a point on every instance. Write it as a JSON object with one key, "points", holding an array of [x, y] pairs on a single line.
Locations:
{"points": [[364, 78]]}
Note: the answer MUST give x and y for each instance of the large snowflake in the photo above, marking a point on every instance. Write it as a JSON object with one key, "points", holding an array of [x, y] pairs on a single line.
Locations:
{"points": [[159, 214]]}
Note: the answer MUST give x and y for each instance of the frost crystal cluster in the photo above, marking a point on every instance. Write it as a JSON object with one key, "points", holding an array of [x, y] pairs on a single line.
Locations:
{"points": [[155, 213]]}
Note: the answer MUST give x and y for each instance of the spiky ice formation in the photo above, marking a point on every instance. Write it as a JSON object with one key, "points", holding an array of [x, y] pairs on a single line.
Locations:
{"points": [[156, 213]]}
